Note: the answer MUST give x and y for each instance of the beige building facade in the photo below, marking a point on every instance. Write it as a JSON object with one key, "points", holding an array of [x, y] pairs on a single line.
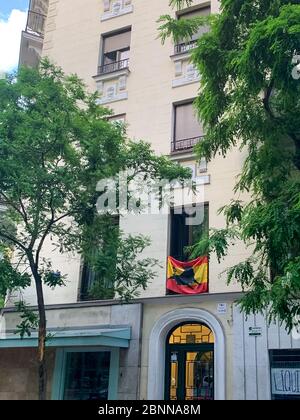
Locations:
{"points": [[182, 347]]}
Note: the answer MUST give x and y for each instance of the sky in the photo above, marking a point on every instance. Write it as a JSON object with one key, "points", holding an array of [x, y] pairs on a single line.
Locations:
{"points": [[13, 16]]}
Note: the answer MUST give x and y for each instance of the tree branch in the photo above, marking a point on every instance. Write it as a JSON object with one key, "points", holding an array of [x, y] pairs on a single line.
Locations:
{"points": [[51, 223], [15, 207], [266, 99], [14, 241], [24, 211]]}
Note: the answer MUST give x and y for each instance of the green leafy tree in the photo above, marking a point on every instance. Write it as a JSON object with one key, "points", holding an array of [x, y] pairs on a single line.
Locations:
{"points": [[250, 98], [56, 144]]}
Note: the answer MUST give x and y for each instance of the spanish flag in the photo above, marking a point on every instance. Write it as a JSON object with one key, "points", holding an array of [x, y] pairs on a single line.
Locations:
{"points": [[188, 278]]}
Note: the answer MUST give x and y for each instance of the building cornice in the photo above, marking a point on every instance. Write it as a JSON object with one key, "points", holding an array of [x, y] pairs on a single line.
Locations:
{"points": [[159, 300]]}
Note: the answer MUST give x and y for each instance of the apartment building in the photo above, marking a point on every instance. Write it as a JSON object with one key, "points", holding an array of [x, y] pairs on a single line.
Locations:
{"points": [[162, 345]]}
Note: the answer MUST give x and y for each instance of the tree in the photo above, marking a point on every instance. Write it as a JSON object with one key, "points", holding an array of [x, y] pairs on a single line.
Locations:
{"points": [[55, 145], [250, 98]]}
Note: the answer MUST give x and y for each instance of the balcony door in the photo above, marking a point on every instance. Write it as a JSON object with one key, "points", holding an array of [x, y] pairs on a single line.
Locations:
{"points": [[183, 235], [188, 131], [116, 52]]}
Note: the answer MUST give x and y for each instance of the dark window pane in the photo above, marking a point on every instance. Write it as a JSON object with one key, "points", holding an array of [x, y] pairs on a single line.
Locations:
{"points": [[87, 376], [183, 235], [110, 57]]}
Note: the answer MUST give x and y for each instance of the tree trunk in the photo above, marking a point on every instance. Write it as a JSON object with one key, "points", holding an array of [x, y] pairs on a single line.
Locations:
{"points": [[42, 339]]}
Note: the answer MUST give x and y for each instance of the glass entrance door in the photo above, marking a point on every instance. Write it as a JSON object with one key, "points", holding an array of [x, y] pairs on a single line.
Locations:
{"points": [[190, 364], [199, 375], [190, 374]]}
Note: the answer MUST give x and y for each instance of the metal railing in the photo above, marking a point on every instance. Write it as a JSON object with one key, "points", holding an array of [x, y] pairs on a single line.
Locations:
{"points": [[185, 144], [111, 67], [36, 23], [185, 46]]}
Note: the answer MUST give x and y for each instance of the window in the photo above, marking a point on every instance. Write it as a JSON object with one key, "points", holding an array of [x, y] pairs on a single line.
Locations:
{"points": [[188, 131], [116, 52], [183, 235], [191, 334], [87, 376], [99, 285], [185, 46], [285, 374], [86, 373]]}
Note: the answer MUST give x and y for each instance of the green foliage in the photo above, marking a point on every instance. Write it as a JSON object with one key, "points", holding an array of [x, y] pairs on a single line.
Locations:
{"points": [[182, 29], [116, 261], [11, 278], [128, 272], [29, 320], [249, 99], [133, 272], [180, 4], [217, 241], [54, 279], [56, 144]]}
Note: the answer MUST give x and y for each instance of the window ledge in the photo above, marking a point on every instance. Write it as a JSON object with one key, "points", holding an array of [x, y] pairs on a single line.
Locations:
{"points": [[182, 154], [187, 79], [119, 12], [112, 75], [115, 98], [185, 55], [185, 71], [112, 87]]}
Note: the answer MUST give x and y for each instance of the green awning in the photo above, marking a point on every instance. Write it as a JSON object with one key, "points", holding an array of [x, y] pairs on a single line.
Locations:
{"points": [[110, 336]]}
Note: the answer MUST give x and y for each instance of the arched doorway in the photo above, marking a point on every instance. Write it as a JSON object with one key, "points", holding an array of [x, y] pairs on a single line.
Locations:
{"points": [[189, 370], [157, 349]]}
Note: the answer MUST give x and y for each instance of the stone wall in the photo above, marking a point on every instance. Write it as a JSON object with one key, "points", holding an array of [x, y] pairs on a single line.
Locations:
{"points": [[19, 373], [18, 368]]}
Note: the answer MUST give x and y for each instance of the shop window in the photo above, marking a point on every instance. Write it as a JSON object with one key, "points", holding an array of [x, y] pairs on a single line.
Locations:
{"points": [[285, 374], [87, 376]]}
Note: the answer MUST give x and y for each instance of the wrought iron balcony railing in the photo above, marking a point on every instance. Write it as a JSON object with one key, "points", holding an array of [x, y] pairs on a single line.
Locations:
{"points": [[112, 67], [185, 46], [185, 144]]}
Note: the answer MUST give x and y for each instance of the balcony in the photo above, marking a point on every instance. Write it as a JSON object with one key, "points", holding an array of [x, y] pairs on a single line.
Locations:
{"points": [[185, 47], [35, 23], [185, 144], [33, 36], [113, 67]]}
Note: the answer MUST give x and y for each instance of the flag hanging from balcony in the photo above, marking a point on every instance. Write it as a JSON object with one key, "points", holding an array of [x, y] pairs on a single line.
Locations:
{"points": [[188, 278]]}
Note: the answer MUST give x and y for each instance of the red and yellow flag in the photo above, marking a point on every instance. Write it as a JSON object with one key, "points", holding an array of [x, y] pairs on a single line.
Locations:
{"points": [[188, 278]]}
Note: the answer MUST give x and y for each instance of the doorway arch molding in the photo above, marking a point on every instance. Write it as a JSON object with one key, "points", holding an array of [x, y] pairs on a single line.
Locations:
{"points": [[157, 349]]}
